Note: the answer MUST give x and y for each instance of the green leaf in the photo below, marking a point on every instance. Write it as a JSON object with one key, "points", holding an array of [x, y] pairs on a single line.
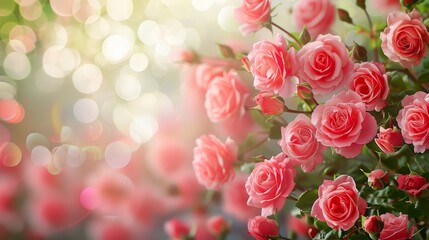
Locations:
{"points": [[423, 77], [275, 131], [306, 200], [247, 167], [344, 16]]}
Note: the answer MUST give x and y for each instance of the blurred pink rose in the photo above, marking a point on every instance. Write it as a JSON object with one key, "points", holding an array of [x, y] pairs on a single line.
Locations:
{"points": [[261, 228], [412, 184], [339, 204], [234, 199], [176, 229], [253, 14], [114, 231], [386, 5], [325, 64], [413, 119], [317, 15], [300, 226], [272, 66], [378, 178], [205, 73], [270, 183], [213, 161], [405, 38], [373, 224], [343, 123], [395, 228], [217, 225], [389, 138], [269, 103], [225, 97], [300, 144], [369, 80]]}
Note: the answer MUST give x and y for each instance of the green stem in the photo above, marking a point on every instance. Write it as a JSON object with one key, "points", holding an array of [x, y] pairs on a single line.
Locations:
{"points": [[251, 148], [288, 33], [372, 35], [296, 111]]}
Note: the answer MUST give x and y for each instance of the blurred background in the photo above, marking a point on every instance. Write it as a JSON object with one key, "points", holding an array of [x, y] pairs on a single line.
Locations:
{"points": [[99, 116]]}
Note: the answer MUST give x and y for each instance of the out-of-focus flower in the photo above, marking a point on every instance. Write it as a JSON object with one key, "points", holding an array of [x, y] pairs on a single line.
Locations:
{"points": [[369, 80], [324, 64], [339, 204], [412, 184], [413, 120], [272, 66], [176, 229], [213, 161], [270, 183], [261, 228], [343, 123], [300, 226], [389, 138], [205, 73], [317, 15], [405, 38], [395, 228], [269, 103], [217, 225], [253, 14], [378, 178], [225, 97], [300, 144]]}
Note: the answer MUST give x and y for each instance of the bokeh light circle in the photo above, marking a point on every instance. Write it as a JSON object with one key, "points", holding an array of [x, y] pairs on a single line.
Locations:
{"points": [[41, 155], [87, 78], [10, 154], [117, 154], [17, 65], [149, 32], [86, 110]]}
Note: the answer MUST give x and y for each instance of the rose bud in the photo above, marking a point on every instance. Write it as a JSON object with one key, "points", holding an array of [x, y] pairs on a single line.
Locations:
{"points": [[176, 229], [269, 103], [373, 226], [412, 184], [377, 179], [217, 225], [304, 91], [261, 228], [389, 138]]}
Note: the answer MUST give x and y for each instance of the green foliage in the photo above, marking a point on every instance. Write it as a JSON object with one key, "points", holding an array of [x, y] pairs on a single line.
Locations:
{"points": [[306, 200]]}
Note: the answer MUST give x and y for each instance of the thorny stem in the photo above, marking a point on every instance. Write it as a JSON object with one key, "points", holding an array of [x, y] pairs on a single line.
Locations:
{"points": [[288, 33]]}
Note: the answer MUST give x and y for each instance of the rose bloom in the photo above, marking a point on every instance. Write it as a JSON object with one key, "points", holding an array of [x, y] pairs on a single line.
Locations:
{"points": [[253, 14], [343, 123], [377, 178], [413, 119], [325, 64], [176, 229], [217, 225], [373, 224], [261, 228], [412, 184], [369, 80], [405, 38], [225, 97], [213, 161], [205, 73], [272, 66], [300, 144], [270, 183], [389, 138], [269, 103], [339, 204], [395, 228], [317, 15]]}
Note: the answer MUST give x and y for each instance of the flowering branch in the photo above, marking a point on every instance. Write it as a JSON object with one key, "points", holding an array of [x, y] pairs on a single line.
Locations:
{"points": [[288, 33]]}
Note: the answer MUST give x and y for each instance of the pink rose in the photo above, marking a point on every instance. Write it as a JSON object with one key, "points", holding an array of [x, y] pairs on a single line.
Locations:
{"points": [[176, 229], [234, 199], [300, 144], [272, 66], [217, 225], [343, 123], [413, 119], [269, 103], [369, 80], [261, 228], [389, 138], [253, 14], [405, 38], [317, 15], [213, 161], [412, 184], [373, 225], [395, 228], [386, 5], [205, 73], [378, 178], [270, 183], [339, 204], [324, 64], [225, 97]]}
